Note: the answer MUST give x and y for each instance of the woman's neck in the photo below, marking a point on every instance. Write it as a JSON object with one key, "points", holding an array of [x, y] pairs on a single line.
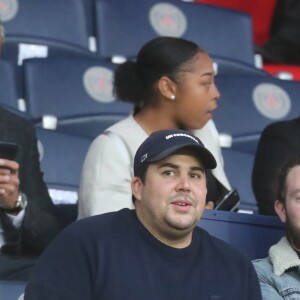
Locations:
{"points": [[151, 119]]}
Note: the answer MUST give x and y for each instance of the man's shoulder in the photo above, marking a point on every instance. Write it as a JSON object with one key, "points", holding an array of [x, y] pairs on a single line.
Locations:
{"points": [[263, 266], [262, 263], [103, 225], [221, 249]]}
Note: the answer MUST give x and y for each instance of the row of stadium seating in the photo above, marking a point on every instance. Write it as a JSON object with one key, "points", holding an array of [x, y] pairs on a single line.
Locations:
{"points": [[76, 89], [79, 90], [71, 25], [261, 12], [70, 89], [75, 93]]}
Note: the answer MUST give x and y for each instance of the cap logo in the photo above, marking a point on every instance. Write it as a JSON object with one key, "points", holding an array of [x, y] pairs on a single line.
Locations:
{"points": [[271, 101], [143, 158], [8, 9], [167, 20], [98, 84], [181, 134]]}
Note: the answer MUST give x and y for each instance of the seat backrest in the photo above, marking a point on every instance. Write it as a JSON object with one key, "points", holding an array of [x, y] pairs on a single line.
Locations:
{"points": [[251, 234], [89, 126], [46, 28], [12, 290], [69, 87], [226, 66], [65, 22], [249, 103], [218, 30], [61, 157], [10, 90], [260, 11], [238, 168]]}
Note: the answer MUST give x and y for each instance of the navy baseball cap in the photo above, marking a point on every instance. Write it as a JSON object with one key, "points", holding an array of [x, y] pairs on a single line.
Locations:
{"points": [[161, 144]]}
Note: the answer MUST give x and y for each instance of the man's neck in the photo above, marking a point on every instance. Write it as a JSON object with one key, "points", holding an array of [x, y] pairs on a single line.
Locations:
{"points": [[294, 246], [177, 240]]}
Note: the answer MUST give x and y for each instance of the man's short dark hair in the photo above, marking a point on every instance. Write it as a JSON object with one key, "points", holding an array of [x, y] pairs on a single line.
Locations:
{"points": [[284, 172], [142, 175]]}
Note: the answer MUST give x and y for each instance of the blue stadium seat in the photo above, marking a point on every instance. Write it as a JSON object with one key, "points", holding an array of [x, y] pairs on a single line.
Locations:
{"points": [[249, 103], [218, 30], [76, 91], [12, 290], [59, 25], [62, 156], [10, 88], [89, 6], [238, 167], [225, 66], [251, 234]]}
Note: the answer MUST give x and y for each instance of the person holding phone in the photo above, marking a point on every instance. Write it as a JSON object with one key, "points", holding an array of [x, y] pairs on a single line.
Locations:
{"points": [[28, 220]]}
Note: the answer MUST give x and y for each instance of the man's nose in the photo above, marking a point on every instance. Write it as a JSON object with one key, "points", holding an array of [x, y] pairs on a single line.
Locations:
{"points": [[184, 182]]}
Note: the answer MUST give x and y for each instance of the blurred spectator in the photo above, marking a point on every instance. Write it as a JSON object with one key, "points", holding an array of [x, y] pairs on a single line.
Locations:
{"points": [[284, 44], [278, 143], [279, 274], [27, 216]]}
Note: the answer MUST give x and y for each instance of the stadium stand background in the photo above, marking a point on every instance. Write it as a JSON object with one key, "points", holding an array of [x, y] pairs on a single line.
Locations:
{"points": [[261, 12], [25, 68], [78, 97]]}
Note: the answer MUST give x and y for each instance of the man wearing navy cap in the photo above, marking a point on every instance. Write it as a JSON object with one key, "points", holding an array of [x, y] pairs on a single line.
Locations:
{"points": [[155, 251]]}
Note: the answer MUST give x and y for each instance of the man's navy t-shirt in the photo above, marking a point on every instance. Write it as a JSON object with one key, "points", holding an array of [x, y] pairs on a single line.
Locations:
{"points": [[114, 257]]}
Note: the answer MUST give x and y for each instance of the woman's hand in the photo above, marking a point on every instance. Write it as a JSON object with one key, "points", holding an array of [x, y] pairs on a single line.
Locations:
{"points": [[209, 205]]}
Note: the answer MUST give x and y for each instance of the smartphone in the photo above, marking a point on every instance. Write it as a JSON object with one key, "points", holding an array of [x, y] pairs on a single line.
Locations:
{"points": [[8, 150], [230, 201]]}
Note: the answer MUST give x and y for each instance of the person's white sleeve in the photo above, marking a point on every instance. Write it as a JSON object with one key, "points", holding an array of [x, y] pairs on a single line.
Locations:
{"points": [[209, 136], [105, 180]]}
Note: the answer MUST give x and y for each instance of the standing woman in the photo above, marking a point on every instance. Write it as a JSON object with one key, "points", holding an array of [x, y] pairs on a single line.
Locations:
{"points": [[172, 86]]}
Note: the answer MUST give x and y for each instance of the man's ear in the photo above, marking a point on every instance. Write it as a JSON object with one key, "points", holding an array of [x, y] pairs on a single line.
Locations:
{"points": [[280, 210], [136, 188], [167, 87]]}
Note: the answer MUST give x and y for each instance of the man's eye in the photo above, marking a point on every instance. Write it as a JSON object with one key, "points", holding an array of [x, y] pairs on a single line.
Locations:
{"points": [[195, 175], [168, 172]]}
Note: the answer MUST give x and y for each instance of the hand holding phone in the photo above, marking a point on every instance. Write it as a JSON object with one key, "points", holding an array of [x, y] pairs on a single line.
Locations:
{"points": [[9, 175], [8, 150], [8, 166]]}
